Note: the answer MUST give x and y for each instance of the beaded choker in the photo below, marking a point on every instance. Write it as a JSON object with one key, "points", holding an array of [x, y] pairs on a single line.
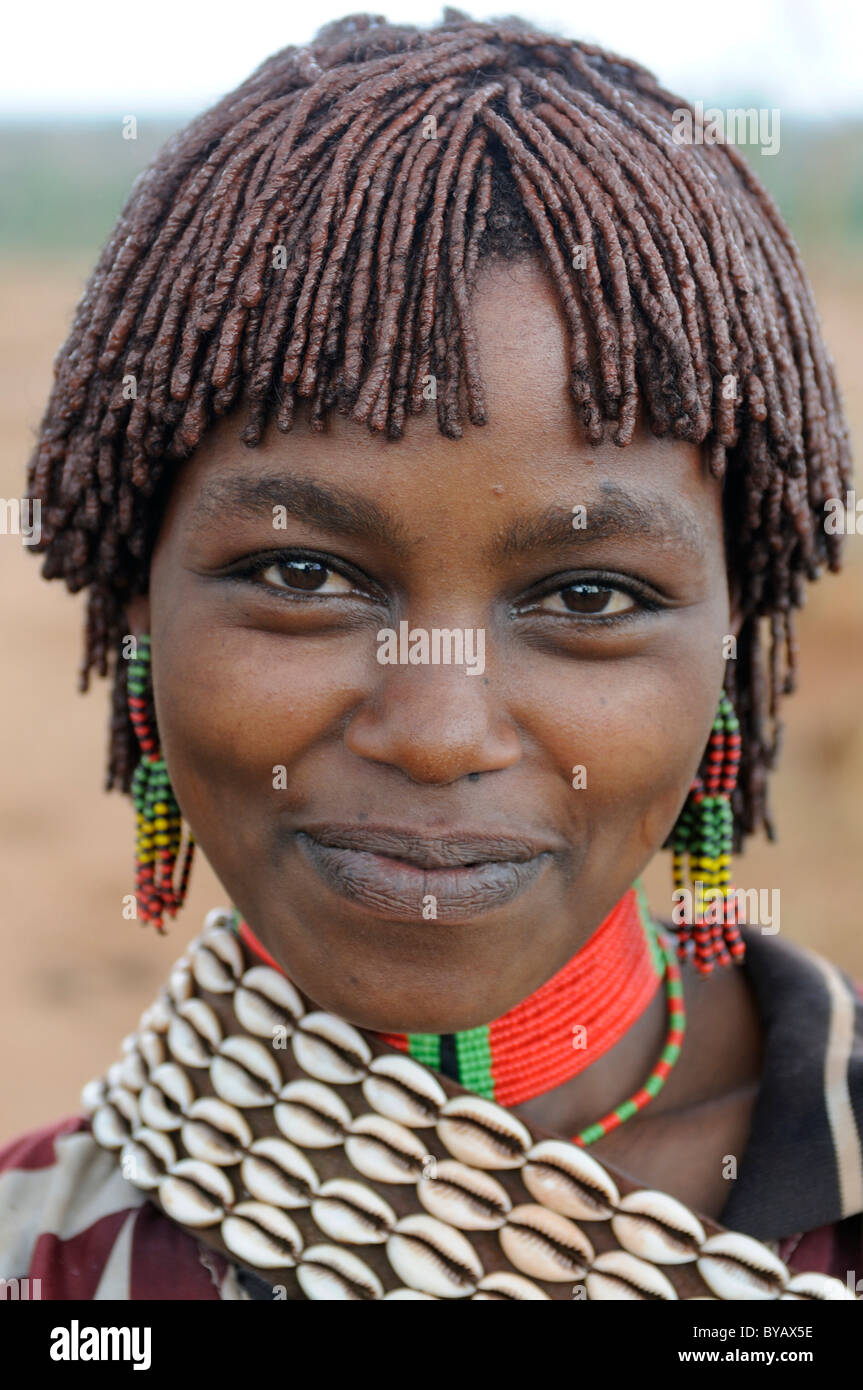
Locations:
{"points": [[564, 1026]]}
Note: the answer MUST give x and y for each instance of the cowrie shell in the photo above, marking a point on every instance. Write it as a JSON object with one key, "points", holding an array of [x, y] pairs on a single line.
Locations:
{"points": [[384, 1151], [408, 1296], [152, 1048], [400, 1089], [311, 1115], [244, 1073], [330, 1273], [203, 1019], [480, 1133], [195, 1193], [816, 1286], [217, 962], [114, 1075], [735, 1266], [278, 1173], [545, 1245], [194, 1033], [134, 1071], [94, 1094], [215, 1132], [217, 917], [432, 1257], [173, 1082], [618, 1275], [465, 1197], [156, 1112], [350, 1212], [330, 1050], [157, 1016], [126, 1102], [511, 1287], [266, 1001], [565, 1178], [180, 987], [147, 1157], [658, 1228], [262, 1235], [162, 1103], [109, 1126]]}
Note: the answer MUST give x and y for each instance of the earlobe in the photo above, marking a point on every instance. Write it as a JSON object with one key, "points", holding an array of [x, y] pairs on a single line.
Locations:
{"points": [[736, 619], [735, 611], [138, 613]]}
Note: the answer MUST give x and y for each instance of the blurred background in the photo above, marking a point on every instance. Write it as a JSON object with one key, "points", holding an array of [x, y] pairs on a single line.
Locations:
{"points": [[75, 974]]}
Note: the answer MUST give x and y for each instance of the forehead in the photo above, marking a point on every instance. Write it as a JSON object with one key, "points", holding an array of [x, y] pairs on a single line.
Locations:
{"points": [[532, 452]]}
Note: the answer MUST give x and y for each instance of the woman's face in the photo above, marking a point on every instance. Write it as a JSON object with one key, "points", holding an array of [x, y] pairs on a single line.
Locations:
{"points": [[422, 843]]}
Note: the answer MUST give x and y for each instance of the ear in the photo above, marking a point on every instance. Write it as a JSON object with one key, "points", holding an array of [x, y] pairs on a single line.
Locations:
{"points": [[735, 608], [138, 613]]}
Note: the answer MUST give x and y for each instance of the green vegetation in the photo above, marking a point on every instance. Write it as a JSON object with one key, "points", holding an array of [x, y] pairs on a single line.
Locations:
{"points": [[64, 182]]}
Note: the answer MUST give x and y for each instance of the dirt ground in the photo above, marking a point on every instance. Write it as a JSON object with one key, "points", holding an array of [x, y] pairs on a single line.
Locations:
{"points": [[76, 975]]}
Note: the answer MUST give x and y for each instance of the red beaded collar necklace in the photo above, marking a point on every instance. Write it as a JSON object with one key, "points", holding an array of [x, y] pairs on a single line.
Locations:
{"points": [[565, 1025]]}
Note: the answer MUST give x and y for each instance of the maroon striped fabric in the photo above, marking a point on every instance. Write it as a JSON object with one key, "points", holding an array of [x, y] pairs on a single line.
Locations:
{"points": [[73, 1226]]}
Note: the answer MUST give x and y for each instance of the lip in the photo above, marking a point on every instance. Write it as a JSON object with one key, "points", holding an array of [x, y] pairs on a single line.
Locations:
{"points": [[393, 872]]}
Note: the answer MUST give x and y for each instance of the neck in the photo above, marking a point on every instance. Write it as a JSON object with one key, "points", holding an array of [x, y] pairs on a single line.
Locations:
{"points": [[565, 1026]]}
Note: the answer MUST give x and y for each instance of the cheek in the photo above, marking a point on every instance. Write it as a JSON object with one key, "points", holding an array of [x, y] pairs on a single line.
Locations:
{"points": [[627, 739], [234, 706]]}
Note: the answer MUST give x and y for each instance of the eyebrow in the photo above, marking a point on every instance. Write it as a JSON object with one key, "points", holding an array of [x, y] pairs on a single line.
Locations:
{"points": [[343, 512], [655, 517]]}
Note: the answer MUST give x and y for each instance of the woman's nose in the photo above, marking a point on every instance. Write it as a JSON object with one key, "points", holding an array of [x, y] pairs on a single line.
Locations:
{"points": [[435, 723]]}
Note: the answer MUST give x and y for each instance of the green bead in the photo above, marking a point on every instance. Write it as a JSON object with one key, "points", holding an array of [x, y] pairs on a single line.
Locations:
{"points": [[591, 1134]]}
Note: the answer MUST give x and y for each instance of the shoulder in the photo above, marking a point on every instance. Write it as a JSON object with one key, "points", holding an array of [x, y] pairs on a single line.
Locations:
{"points": [[802, 1169], [70, 1220]]}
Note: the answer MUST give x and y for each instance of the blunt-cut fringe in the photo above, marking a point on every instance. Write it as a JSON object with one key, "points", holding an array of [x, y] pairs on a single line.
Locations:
{"points": [[317, 234]]}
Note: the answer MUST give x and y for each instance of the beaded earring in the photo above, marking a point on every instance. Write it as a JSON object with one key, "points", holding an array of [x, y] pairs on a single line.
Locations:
{"points": [[159, 819], [704, 833]]}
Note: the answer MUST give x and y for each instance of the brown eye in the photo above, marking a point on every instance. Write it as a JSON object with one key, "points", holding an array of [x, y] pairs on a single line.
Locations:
{"points": [[588, 600], [307, 576]]}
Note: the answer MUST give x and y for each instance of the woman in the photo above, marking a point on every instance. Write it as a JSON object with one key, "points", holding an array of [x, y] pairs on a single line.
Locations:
{"points": [[430, 697]]}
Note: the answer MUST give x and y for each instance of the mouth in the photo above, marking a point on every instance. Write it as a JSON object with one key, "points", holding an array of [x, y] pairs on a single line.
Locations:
{"points": [[405, 876]]}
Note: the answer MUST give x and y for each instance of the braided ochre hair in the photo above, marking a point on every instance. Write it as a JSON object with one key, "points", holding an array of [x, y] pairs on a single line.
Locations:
{"points": [[317, 234]]}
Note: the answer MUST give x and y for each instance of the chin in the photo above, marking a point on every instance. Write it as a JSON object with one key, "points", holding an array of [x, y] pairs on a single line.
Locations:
{"points": [[383, 992]]}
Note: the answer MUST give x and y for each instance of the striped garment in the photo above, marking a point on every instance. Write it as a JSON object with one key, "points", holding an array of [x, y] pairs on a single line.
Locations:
{"points": [[76, 1229]]}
